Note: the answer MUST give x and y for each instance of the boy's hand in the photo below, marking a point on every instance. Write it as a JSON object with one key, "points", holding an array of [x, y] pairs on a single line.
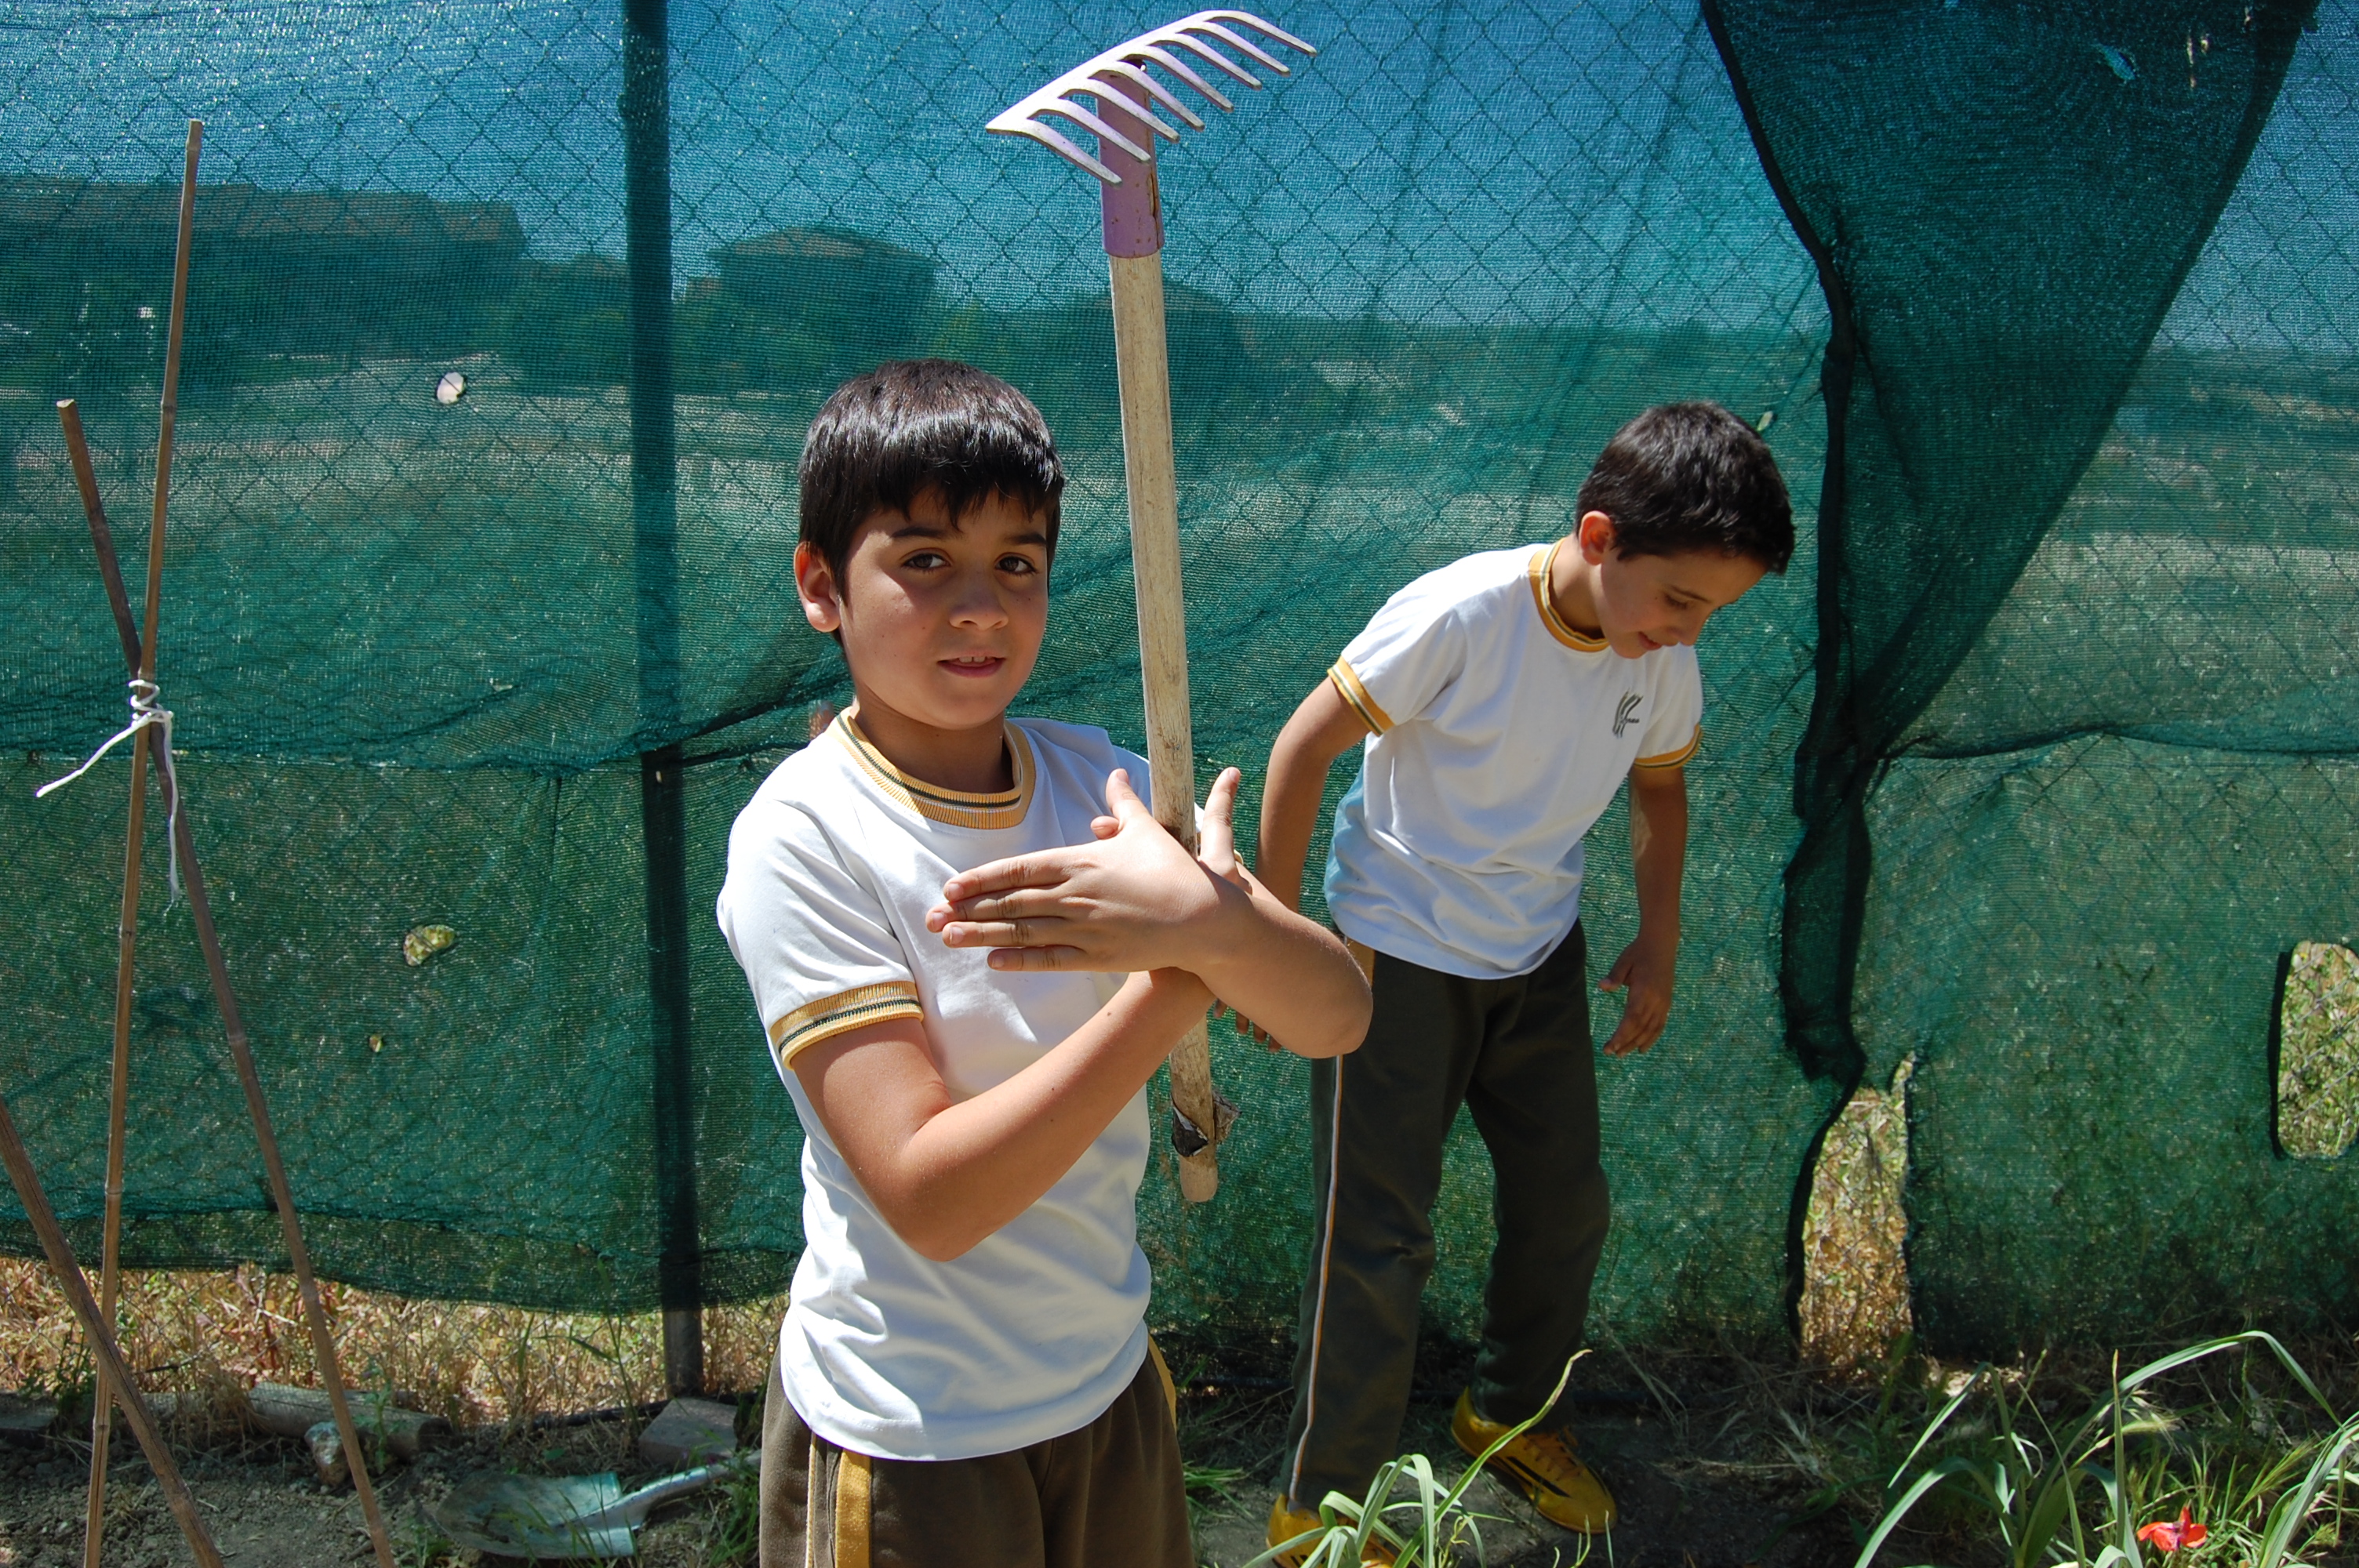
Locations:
{"points": [[1644, 971], [1130, 901]]}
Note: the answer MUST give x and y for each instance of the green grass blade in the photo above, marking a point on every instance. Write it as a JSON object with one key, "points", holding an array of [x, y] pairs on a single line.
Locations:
{"points": [[1909, 1499], [1948, 1411], [2292, 1509], [2179, 1358]]}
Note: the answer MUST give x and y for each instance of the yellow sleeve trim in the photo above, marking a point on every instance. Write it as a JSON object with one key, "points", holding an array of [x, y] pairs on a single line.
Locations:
{"points": [[857, 1009], [1354, 692], [1673, 759]]}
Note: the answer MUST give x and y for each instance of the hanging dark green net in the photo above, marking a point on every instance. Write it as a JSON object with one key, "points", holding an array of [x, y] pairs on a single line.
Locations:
{"points": [[2033, 768]]}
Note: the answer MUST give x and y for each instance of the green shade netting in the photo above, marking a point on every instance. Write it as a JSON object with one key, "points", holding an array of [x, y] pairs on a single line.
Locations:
{"points": [[419, 651]]}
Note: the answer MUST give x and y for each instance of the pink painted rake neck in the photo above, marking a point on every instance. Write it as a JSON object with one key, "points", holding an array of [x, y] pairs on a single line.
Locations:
{"points": [[1131, 212]]}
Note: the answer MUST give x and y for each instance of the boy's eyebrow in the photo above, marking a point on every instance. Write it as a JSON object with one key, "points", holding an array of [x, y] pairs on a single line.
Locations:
{"points": [[916, 530]]}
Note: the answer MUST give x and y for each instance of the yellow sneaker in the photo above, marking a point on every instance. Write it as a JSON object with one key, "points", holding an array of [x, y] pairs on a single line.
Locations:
{"points": [[1542, 1466], [1286, 1523]]}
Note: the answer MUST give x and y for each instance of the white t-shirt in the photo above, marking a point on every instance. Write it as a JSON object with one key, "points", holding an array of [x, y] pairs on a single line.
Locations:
{"points": [[1034, 1331], [1499, 734]]}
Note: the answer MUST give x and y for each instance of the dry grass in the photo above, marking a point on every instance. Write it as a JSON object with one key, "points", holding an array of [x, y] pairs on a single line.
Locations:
{"points": [[215, 1334], [1854, 1271], [2318, 1063]]}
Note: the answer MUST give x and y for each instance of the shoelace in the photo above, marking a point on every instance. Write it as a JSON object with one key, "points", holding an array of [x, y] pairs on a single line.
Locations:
{"points": [[1552, 1456]]}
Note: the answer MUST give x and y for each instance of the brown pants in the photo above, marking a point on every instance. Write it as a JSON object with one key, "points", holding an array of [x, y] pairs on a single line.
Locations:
{"points": [[1516, 1053], [1108, 1494]]}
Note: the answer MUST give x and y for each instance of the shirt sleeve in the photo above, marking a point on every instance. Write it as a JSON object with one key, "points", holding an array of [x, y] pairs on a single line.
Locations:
{"points": [[810, 935], [1407, 657], [1675, 729]]}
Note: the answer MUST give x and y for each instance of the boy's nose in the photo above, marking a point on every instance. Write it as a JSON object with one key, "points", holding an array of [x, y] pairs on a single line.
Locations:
{"points": [[978, 601]]}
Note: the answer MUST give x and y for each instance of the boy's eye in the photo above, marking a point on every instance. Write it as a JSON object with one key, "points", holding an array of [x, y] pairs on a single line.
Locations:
{"points": [[925, 560], [1020, 566]]}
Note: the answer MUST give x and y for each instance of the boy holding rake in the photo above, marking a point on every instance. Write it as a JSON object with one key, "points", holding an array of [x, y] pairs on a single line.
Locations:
{"points": [[971, 945], [1499, 702]]}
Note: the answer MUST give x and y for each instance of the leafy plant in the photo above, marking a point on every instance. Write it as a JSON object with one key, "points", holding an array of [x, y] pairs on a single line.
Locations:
{"points": [[1436, 1522], [1209, 1485], [732, 1532], [2033, 1481]]}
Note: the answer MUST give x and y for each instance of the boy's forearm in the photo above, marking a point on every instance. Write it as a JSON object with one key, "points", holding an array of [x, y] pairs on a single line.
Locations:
{"points": [[1290, 810], [972, 1166], [1659, 847], [1291, 976]]}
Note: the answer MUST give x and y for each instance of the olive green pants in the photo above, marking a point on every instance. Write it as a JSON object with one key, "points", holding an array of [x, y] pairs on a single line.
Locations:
{"points": [[1518, 1053], [1109, 1493]]}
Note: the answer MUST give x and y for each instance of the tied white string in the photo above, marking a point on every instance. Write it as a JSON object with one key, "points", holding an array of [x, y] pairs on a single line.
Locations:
{"points": [[145, 714]]}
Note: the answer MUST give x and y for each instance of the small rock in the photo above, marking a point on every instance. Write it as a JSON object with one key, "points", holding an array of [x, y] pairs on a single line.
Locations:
{"points": [[689, 1432]]}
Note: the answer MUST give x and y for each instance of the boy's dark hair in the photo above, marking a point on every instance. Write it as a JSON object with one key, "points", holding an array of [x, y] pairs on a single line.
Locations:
{"points": [[1692, 476], [910, 425]]}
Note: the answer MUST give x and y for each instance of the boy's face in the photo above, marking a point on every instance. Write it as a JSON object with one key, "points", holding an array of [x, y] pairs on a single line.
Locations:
{"points": [[941, 618], [1645, 602]]}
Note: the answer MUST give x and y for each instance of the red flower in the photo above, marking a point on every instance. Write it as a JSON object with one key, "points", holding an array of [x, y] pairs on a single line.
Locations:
{"points": [[2172, 1535]]}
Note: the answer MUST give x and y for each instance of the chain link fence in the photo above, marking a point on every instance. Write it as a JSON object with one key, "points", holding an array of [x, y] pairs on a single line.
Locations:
{"points": [[445, 661]]}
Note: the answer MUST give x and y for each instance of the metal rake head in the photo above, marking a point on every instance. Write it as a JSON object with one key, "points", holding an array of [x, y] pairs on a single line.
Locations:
{"points": [[1106, 76]]}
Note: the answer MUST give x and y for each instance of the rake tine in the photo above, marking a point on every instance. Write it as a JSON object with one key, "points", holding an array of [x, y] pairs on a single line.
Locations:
{"points": [[1267, 28], [1160, 93], [1103, 89], [1198, 45], [1058, 145], [1156, 53], [1247, 47], [1083, 117]]}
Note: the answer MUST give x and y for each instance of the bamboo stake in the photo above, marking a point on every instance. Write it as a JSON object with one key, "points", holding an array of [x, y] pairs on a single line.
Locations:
{"points": [[241, 1053], [113, 1374], [141, 652], [126, 941], [324, 1346]]}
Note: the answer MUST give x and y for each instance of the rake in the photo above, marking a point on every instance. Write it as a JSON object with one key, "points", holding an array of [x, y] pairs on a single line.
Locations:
{"points": [[1125, 96]]}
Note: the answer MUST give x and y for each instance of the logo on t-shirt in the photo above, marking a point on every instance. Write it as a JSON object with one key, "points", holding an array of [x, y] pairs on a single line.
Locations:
{"points": [[1624, 711]]}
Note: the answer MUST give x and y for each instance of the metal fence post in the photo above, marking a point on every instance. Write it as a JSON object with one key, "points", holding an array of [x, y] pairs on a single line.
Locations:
{"points": [[655, 516]]}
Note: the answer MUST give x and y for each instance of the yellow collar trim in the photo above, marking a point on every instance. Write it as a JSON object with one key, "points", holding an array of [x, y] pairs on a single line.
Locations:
{"points": [[952, 808], [1542, 561]]}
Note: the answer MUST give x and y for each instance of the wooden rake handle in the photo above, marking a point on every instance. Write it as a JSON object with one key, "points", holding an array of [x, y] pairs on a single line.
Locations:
{"points": [[1152, 480]]}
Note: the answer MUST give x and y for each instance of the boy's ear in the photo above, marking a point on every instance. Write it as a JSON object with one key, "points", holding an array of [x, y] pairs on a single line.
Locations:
{"points": [[816, 586], [1595, 534]]}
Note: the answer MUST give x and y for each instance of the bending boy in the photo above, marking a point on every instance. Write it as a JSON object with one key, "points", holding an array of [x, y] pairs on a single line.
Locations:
{"points": [[1499, 703], [964, 1375]]}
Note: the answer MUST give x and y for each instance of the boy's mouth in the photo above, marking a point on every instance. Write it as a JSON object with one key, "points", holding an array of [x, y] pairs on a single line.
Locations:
{"points": [[975, 665]]}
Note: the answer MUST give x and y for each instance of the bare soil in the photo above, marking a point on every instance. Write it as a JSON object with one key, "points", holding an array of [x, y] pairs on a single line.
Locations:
{"points": [[267, 1509], [1681, 1508]]}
